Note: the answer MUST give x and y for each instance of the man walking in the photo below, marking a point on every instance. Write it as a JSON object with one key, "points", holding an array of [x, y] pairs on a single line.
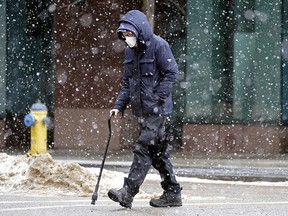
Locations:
{"points": [[150, 71]]}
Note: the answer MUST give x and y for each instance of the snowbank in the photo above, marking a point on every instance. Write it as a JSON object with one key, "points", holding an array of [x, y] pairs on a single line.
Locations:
{"points": [[41, 175]]}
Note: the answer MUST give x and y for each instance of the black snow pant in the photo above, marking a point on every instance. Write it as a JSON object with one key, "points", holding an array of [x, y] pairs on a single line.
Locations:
{"points": [[151, 149]]}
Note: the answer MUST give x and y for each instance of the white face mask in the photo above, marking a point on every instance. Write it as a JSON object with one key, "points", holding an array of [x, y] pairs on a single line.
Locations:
{"points": [[131, 41]]}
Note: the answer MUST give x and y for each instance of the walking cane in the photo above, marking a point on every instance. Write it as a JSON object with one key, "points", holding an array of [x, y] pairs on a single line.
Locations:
{"points": [[95, 193]]}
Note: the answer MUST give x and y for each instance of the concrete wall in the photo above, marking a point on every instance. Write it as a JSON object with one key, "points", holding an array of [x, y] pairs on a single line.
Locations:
{"points": [[234, 139], [88, 129]]}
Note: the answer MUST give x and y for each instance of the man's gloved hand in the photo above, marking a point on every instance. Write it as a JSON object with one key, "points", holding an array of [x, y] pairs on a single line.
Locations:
{"points": [[116, 113]]}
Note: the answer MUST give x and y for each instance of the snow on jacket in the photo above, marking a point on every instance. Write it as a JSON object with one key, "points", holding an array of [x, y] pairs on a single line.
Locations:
{"points": [[149, 72]]}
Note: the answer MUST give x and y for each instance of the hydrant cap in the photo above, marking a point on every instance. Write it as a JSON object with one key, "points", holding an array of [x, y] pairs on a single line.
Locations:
{"points": [[39, 106], [29, 120]]}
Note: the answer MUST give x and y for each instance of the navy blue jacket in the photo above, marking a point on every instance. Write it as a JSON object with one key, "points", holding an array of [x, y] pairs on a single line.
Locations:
{"points": [[149, 71]]}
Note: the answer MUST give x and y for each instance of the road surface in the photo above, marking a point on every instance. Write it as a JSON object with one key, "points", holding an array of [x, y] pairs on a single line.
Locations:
{"points": [[200, 197]]}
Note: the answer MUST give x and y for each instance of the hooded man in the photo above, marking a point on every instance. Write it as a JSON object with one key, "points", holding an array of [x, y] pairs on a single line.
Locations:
{"points": [[150, 71]]}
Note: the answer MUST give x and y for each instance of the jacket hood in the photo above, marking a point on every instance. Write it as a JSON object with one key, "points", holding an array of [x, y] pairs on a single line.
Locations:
{"points": [[139, 21]]}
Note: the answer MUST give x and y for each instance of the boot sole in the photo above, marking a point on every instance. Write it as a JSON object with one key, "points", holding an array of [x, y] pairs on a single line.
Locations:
{"points": [[118, 199], [166, 205]]}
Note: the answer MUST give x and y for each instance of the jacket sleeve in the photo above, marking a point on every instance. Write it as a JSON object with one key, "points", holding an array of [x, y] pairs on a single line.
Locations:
{"points": [[124, 95], [169, 69]]}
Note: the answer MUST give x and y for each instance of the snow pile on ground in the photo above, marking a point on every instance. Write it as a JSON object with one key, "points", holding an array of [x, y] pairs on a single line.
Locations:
{"points": [[40, 174]]}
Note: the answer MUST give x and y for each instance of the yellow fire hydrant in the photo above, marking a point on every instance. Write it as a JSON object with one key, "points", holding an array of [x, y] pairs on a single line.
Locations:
{"points": [[37, 119]]}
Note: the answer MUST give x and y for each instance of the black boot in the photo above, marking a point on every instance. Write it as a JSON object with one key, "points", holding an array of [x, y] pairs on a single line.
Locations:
{"points": [[122, 196], [168, 198]]}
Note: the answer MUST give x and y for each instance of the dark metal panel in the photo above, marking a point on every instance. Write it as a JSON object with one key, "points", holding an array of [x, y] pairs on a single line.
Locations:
{"points": [[2, 57], [29, 56]]}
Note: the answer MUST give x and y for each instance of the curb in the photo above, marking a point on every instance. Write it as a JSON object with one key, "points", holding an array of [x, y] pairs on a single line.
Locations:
{"points": [[247, 174]]}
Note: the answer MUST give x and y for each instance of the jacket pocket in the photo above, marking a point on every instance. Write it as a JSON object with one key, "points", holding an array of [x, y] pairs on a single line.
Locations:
{"points": [[128, 67], [147, 67]]}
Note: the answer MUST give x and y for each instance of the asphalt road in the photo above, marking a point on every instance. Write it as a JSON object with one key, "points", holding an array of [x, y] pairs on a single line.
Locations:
{"points": [[208, 198]]}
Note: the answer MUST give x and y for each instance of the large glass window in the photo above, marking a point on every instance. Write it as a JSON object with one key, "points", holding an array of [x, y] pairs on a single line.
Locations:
{"points": [[284, 51], [233, 68]]}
